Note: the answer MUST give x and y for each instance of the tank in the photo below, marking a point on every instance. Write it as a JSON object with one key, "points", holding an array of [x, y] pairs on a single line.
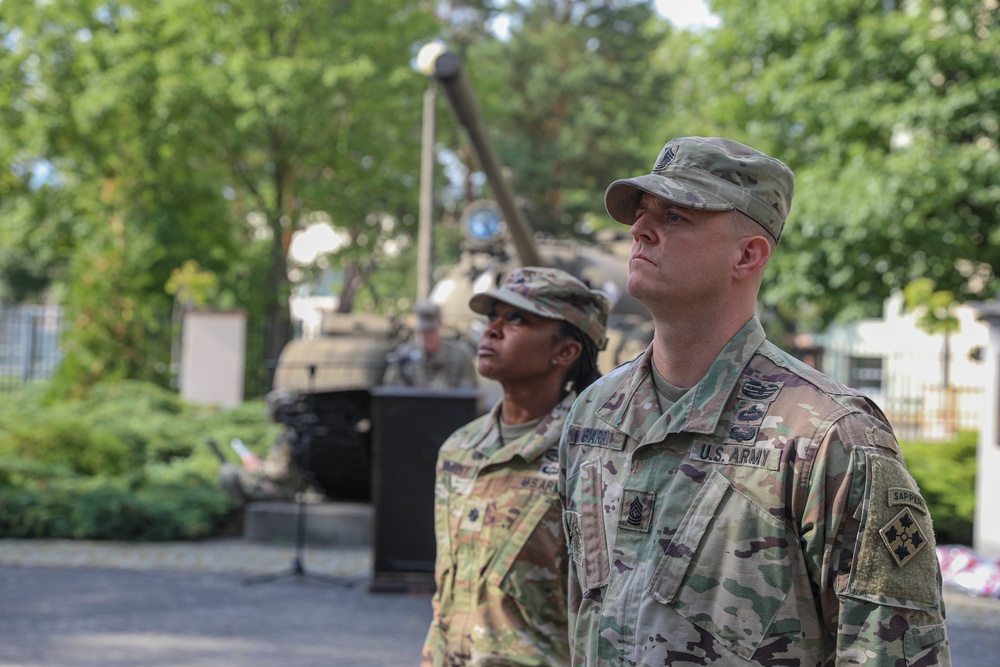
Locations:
{"points": [[333, 376]]}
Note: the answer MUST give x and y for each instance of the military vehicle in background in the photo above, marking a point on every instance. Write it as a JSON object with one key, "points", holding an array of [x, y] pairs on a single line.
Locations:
{"points": [[333, 375]]}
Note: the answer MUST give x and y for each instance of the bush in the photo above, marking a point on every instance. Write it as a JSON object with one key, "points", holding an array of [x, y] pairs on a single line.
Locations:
{"points": [[125, 462], [946, 473]]}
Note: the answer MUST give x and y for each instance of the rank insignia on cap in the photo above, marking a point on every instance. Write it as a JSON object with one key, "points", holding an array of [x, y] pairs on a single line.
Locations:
{"points": [[903, 537], [665, 158]]}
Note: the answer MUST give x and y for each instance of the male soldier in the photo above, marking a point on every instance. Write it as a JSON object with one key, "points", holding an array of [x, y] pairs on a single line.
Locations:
{"points": [[430, 361], [724, 503]]}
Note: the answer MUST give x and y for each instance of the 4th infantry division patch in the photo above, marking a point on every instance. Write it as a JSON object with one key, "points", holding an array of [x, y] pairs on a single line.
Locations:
{"points": [[903, 537]]}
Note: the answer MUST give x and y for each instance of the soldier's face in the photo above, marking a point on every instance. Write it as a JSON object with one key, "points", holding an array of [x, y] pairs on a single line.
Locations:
{"points": [[681, 257], [516, 345]]}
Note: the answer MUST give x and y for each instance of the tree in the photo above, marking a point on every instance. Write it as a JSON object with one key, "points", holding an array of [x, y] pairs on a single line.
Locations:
{"points": [[570, 100], [111, 198], [934, 316], [889, 114], [188, 130]]}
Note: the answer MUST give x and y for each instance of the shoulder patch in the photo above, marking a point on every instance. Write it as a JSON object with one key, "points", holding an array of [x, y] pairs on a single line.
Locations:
{"points": [[903, 537], [904, 496]]}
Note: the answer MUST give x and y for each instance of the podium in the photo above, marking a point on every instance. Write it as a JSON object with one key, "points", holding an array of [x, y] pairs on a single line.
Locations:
{"points": [[408, 428]]}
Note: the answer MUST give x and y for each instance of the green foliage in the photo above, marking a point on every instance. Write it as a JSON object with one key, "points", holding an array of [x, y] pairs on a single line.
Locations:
{"points": [[68, 440], [889, 114], [934, 307], [125, 461], [139, 137], [572, 102], [113, 509], [184, 131], [946, 474]]}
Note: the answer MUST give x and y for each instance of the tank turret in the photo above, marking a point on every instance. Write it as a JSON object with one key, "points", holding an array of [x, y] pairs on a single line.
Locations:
{"points": [[492, 229]]}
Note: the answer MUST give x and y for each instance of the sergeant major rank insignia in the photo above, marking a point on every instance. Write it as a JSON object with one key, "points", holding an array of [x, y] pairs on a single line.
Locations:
{"points": [[636, 512]]}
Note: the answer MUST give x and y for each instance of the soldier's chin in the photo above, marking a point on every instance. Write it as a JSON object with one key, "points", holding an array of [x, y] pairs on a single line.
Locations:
{"points": [[486, 369]]}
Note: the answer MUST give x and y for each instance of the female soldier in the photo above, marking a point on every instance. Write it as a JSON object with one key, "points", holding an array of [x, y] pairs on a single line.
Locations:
{"points": [[501, 558]]}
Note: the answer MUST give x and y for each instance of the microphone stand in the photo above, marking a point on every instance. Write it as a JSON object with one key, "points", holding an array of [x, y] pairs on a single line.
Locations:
{"points": [[298, 568]]}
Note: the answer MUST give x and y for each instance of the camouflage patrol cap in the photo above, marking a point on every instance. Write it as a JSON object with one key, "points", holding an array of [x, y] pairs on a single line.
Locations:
{"points": [[711, 174], [554, 294], [428, 316]]}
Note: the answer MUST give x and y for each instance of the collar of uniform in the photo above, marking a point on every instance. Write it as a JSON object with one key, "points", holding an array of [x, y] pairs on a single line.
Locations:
{"points": [[529, 446], [633, 404]]}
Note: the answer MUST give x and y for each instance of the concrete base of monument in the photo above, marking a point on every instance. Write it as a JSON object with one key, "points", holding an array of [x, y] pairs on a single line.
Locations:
{"points": [[326, 523]]}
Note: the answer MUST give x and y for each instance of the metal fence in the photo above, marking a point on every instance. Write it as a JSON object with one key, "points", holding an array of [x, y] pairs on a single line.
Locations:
{"points": [[30, 348], [29, 343], [925, 396]]}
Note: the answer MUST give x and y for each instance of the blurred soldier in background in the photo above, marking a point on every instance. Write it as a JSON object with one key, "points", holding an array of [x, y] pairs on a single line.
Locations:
{"points": [[275, 477], [430, 361]]}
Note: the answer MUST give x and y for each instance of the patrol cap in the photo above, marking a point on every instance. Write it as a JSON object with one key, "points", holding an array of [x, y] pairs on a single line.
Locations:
{"points": [[428, 316], [711, 174], [554, 294]]}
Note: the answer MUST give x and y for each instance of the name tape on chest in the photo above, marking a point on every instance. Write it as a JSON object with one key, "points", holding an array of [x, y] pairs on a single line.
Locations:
{"points": [[595, 437], [456, 468]]}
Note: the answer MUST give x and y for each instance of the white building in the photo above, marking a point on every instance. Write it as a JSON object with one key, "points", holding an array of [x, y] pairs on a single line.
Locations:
{"points": [[930, 386]]}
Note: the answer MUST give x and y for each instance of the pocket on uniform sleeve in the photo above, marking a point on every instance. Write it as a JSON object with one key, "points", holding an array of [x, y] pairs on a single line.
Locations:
{"points": [[921, 643], [728, 568]]}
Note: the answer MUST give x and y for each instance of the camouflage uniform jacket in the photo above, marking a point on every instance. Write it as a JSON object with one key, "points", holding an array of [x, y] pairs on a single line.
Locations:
{"points": [[501, 554], [451, 367], [766, 519]]}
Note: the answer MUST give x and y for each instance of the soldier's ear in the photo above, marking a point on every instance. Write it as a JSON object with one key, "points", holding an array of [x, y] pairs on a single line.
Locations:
{"points": [[754, 253], [566, 352]]}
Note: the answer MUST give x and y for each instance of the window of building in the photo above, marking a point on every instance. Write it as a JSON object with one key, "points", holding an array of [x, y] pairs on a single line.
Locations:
{"points": [[866, 374]]}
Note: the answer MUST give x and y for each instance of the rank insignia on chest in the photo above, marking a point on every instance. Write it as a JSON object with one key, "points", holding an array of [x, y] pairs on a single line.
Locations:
{"points": [[903, 537], [636, 512], [474, 516]]}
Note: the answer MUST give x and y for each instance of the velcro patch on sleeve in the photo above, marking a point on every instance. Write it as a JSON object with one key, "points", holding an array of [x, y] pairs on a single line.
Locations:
{"points": [[895, 561]]}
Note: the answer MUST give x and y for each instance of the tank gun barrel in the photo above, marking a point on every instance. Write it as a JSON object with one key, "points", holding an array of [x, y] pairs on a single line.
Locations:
{"points": [[447, 70]]}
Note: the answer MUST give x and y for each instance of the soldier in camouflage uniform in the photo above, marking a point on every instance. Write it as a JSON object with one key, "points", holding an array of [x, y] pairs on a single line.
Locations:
{"points": [[724, 503], [430, 361], [276, 476], [501, 555]]}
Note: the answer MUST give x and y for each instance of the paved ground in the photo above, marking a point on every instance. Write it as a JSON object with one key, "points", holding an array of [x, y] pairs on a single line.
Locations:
{"points": [[84, 604]]}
